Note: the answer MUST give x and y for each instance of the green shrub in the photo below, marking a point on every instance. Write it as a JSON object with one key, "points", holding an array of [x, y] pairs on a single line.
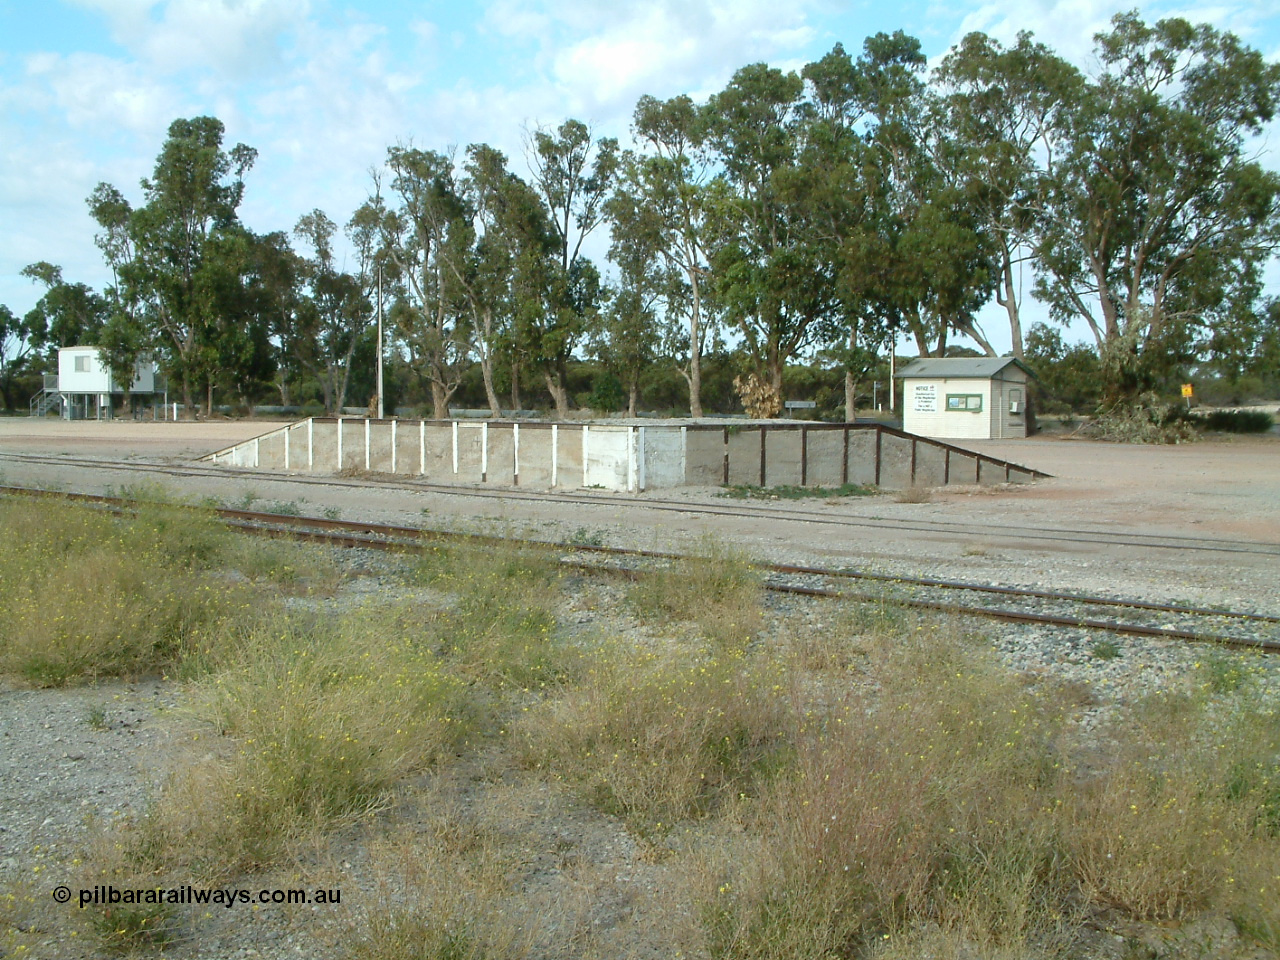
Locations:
{"points": [[1235, 421]]}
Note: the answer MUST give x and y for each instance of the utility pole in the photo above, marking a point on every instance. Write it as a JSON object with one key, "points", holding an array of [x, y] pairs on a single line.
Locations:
{"points": [[893, 360], [380, 410]]}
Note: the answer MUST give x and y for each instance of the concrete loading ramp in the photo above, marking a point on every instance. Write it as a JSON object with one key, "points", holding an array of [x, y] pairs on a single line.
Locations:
{"points": [[621, 455]]}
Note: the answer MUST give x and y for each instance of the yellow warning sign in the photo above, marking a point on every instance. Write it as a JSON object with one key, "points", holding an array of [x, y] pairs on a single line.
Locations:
{"points": [[1187, 391]]}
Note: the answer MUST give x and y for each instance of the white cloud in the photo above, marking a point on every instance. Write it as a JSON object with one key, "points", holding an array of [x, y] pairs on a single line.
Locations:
{"points": [[232, 37], [101, 94], [602, 58], [1068, 26]]}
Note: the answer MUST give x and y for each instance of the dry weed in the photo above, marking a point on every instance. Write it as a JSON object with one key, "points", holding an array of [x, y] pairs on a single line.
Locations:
{"points": [[914, 494], [718, 589], [919, 802], [656, 740], [308, 725]]}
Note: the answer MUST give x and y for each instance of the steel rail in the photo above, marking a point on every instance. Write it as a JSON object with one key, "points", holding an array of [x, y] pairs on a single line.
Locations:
{"points": [[937, 527], [989, 613], [348, 533], [380, 535]]}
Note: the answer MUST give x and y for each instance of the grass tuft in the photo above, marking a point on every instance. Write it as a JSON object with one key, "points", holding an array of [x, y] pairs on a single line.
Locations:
{"points": [[719, 591], [310, 723], [655, 739], [746, 491]]}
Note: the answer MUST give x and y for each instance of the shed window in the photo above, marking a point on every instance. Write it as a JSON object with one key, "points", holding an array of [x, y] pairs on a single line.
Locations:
{"points": [[964, 402], [82, 364]]}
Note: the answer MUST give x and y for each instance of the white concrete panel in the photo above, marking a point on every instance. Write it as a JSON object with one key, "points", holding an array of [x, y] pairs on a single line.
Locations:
{"points": [[607, 458], [663, 458]]}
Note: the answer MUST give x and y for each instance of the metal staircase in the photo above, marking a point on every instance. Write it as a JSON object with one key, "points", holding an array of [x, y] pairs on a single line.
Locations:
{"points": [[48, 398]]}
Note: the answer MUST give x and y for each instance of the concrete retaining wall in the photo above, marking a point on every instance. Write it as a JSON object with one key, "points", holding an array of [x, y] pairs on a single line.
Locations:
{"points": [[620, 456]]}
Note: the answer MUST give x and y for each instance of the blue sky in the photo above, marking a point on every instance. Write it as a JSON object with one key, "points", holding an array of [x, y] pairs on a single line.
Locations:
{"points": [[321, 88]]}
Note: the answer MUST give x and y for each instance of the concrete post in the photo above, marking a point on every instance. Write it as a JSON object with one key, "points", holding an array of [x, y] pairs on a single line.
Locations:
{"points": [[640, 479]]}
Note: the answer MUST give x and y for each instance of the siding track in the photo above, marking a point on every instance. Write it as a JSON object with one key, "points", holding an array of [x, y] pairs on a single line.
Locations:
{"points": [[1020, 605], [1015, 533]]}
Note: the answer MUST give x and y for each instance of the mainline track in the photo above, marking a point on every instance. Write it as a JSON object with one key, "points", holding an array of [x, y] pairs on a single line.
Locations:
{"points": [[1064, 536], [1047, 608]]}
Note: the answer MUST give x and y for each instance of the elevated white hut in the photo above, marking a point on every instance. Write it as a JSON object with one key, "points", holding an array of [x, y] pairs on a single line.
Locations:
{"points": [[86, 386]]}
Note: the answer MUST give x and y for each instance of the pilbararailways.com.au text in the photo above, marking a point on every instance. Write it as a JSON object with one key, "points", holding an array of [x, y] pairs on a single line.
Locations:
{"points": [[106, 895]]}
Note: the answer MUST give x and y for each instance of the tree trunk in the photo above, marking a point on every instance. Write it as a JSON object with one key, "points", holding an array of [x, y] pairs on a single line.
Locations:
{"points": [[1010, 303], [850, 385], [695, 352], [439, 401], [188, 399], [486, 371], [633, 394], [970, 329], [208, 399], [515, 386], [559, 394], [695, 386], [775, 376]]}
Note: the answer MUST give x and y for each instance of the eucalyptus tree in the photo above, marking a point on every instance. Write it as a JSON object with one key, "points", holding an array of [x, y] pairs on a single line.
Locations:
{"points": [[67, 314], [925, 264], [129, 332], [661, 201], [162, 252], [846, 196], [280, 274], [241, 359], [1004, 111], [426, 233], [629, 337], [18, 349], [502, 209], [1158, 223], [573, 176], [767, 278], [334, 313]]}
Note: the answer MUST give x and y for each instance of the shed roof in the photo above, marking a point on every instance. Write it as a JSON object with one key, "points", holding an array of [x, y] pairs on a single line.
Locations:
{"points": [[972, 367]]}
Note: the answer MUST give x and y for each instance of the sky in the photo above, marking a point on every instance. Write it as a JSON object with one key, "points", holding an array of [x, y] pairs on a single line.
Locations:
{"points": [[322, 88]]}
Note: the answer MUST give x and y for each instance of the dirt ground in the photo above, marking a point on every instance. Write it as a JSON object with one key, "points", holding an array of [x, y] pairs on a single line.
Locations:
{"points": [[95, 750], [1220, 489]]}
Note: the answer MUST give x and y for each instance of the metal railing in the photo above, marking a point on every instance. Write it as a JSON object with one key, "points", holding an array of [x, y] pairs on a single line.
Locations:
{"points": [[45, 400]]}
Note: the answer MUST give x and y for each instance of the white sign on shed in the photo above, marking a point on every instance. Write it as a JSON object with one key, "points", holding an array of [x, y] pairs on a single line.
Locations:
{"points": [[925, 398]]}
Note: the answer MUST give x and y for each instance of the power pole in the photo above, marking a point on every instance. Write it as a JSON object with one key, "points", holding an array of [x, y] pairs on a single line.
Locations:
{"points": [[380, 410]]}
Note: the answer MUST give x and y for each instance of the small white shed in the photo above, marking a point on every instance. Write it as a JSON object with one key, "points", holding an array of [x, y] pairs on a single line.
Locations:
{"points": [[965, 398], [86, 384]]}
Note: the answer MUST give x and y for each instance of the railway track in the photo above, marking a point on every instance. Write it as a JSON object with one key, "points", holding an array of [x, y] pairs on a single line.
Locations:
{"points": [[1017, 605], [1066, 537]]}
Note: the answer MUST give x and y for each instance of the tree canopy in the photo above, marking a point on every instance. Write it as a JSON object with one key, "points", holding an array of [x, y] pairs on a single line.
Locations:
{"points": [[794, 215]]}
